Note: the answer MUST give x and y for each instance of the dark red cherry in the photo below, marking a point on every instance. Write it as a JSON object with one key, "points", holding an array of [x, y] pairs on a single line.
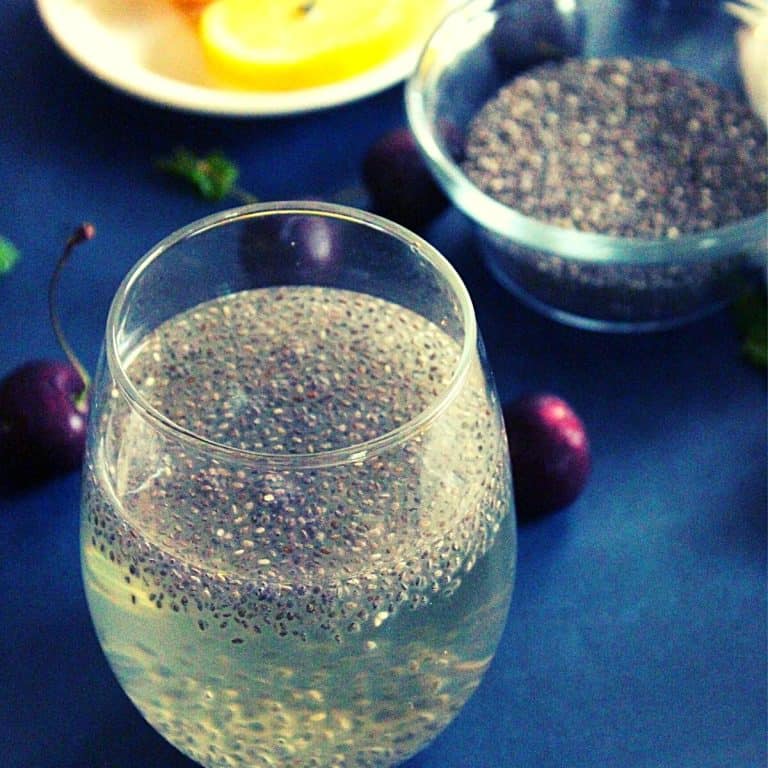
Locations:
{"points": [[291, 249], [399, 182], [44, 404], [43, 417], [550, 453], [531, 32]]}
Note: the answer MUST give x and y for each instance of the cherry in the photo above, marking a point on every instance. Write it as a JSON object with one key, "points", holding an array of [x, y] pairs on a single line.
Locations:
{"points": [[532, 32], [42, 429], [297, 248], [399, 182], [550, 453], [44, 404]]}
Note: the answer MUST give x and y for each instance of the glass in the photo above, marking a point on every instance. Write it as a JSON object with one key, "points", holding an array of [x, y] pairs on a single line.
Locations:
{"points": [[298, 542]]}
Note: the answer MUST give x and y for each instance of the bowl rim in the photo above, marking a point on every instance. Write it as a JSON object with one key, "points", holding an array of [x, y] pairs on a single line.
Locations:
{"points": [[459, 32]]}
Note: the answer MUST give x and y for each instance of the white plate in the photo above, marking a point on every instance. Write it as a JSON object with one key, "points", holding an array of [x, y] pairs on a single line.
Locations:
{"points": [[149, 49]]}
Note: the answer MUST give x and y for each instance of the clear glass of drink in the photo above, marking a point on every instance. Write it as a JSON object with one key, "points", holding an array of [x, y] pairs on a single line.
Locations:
{"points": [[298, 541]]}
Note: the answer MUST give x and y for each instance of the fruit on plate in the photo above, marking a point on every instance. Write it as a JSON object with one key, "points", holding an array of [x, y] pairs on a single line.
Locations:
{"points": [[192, 7], [281, 45]]}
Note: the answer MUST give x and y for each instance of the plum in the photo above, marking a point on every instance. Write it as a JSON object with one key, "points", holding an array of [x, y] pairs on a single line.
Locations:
{"points": [[550, 453]]}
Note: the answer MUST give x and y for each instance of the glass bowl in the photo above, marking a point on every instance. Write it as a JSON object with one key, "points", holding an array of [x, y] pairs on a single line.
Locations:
{"points": [[583, 278]]}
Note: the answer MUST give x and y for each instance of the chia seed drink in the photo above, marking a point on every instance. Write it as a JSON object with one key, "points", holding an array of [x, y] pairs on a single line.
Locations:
{"points": [[291, 612]]}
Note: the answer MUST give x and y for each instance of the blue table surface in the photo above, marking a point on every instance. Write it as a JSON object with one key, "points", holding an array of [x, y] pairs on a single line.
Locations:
{"points": [[637, 631]]}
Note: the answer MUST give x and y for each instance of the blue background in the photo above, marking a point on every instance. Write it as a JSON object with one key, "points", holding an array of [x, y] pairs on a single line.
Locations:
{"points": [[637, 632]]}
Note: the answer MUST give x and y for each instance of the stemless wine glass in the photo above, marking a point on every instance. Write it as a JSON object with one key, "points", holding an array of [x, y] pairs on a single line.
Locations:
{"points": [[298, 541]]}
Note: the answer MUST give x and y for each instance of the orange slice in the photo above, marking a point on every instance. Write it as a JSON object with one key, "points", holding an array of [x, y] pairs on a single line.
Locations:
{"points": [[280, 45]]}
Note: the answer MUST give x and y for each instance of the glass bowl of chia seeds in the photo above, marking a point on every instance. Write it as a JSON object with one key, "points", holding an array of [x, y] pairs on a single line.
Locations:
{"points": [[617, 179]]}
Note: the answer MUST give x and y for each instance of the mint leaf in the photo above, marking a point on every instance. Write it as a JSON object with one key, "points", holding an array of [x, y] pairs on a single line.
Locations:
{"points": [[756, 348], [9, 255], [751, 310], [213, 176]]}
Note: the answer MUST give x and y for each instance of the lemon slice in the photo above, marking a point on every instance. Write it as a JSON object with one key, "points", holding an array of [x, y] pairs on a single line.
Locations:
{"points": [[280, 45]]}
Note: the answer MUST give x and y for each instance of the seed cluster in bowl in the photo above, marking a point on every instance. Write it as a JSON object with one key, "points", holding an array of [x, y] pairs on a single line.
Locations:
{"points": [[624, 147]]}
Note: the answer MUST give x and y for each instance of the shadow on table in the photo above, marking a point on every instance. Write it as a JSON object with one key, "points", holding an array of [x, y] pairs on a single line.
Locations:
{"points": [[128, 742]]}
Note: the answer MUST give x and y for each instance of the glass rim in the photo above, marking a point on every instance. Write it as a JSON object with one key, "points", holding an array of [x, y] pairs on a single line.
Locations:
{"points": [[353, 453]]}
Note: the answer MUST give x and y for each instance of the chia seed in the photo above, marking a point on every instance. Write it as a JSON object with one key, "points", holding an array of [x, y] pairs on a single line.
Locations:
{"points": [[629, 148], [267, 547], [622, 147]]}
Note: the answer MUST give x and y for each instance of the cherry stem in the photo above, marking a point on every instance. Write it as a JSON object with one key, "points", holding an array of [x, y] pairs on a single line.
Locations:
{"points": [[84, 232]]}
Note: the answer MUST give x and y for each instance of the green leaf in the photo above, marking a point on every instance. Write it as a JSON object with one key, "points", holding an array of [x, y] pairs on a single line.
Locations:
{"points": [[213, 176], [9, 255], [751, 311]]}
